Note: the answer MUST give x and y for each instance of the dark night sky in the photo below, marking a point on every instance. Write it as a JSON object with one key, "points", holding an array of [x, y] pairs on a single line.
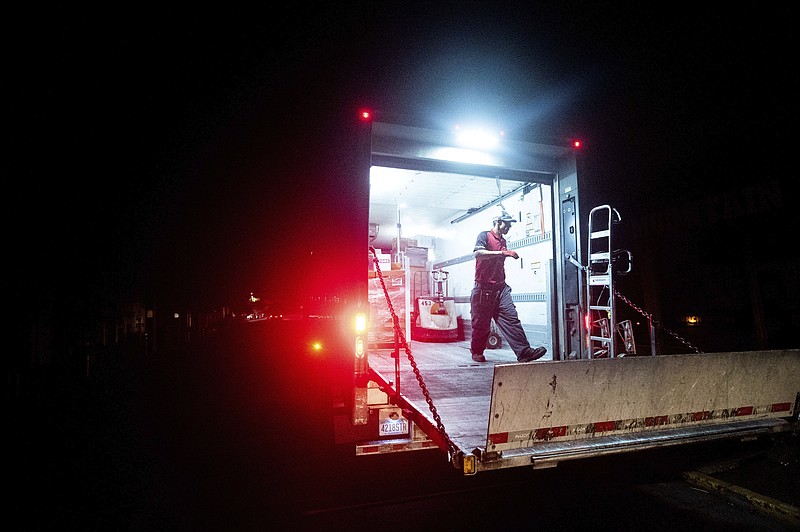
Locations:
{"points": [[164, 151]]}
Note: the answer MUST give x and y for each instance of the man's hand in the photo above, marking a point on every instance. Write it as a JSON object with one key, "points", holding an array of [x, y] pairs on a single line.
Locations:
{"points": [[510, 253]]}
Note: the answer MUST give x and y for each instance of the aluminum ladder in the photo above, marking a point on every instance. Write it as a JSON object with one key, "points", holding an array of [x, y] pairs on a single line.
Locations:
{"points": [[601, 322]]}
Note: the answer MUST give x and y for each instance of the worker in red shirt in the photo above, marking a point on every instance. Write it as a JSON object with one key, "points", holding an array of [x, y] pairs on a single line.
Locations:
{"points": [[491, 296]]}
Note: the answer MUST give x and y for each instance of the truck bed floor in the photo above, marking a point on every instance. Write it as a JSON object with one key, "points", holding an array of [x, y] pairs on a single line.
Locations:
{"points": [[459, 388]]}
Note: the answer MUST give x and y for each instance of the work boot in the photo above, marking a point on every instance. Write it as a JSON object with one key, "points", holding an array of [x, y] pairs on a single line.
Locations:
{"points": [[531, 354], [477, 357]]}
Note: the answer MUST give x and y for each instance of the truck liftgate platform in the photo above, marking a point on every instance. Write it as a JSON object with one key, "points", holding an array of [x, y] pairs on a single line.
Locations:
{"points": [[501, 413]]}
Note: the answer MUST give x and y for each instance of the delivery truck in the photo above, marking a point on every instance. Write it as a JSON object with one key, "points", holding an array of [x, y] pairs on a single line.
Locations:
{"points": [[416, 198]]}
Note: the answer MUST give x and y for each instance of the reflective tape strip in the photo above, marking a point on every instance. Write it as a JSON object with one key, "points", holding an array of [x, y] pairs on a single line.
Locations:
{"points": [[394, 447], [669, 421]]}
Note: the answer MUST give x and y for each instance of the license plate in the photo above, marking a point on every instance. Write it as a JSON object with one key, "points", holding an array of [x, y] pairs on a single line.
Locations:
{"points": [[392, 423]]}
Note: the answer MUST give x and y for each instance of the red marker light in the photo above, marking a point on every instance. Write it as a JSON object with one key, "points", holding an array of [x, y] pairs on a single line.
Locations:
{"points": [[576, 144], [365, 115]]}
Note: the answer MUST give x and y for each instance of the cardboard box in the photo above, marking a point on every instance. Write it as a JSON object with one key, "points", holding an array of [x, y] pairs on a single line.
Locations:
{"points": [[417, 256], [384, 261], [404, 244]]}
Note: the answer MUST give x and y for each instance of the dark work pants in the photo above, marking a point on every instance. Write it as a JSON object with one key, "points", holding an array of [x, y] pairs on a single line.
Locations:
{"points": [[497, 304]]}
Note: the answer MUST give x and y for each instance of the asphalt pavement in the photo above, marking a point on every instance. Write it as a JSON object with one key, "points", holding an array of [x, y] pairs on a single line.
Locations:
{"points": [[226, 438]]}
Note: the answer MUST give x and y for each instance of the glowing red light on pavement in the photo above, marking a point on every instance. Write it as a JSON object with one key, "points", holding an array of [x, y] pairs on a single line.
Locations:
{"points": [[576, 144], [365, 115]]}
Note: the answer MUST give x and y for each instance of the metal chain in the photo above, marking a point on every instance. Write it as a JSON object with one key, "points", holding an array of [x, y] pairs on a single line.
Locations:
{"points": [[452, 449], [655, 322]]}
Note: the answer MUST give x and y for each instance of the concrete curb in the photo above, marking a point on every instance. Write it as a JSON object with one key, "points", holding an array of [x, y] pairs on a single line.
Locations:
{"points": [[780, 510]]}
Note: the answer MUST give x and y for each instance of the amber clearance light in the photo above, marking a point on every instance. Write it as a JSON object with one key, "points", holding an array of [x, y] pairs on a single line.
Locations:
{"points": [[361, 329], [361, 323]]}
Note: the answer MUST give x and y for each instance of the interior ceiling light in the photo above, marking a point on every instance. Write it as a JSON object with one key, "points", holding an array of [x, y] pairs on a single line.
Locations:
{"points": [[477, 138]]}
